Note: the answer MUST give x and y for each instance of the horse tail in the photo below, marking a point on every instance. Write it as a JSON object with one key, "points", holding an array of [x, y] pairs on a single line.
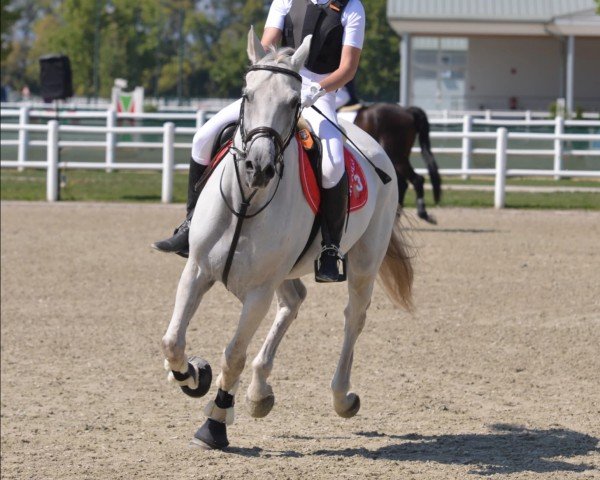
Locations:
{"points": [[396, 271], [422, 126]]}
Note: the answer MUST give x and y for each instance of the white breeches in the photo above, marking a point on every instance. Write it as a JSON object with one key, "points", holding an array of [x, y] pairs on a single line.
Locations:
{"points": [[206, 135], [331, 138]]}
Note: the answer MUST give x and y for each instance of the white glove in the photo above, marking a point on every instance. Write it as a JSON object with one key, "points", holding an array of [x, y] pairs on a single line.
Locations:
{"points": [[311, 94]]}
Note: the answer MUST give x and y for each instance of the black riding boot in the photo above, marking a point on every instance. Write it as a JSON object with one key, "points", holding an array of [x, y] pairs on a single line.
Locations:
{"points": [[178, 243], [334, 208]]}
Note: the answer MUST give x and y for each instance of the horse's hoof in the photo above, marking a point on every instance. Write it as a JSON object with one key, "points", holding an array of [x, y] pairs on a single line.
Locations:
{"points": [[261, 408], [354, 408], [205, 378], [431, 219], [211, 436]]}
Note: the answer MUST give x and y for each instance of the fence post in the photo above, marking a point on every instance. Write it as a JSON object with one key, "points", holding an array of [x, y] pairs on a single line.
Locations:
{"points": [[200, 118], [559, 129], [111, 139], [23, 137], [488, 114], [528, 116], [52, 162], [168, 162], [500, 187], [467, 146]]}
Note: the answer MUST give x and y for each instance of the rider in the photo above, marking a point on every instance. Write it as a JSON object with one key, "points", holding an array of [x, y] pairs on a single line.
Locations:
{"points": [[338, 28]]}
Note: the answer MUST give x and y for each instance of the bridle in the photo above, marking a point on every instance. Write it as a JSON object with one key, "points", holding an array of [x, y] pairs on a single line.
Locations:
{"points": [[268, 132], [240, 154]]}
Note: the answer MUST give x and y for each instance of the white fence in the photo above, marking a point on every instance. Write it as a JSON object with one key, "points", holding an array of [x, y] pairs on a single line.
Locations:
{"points": [[168, 145]]}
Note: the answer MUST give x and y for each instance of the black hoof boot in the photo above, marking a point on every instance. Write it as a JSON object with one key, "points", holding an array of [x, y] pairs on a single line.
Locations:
{"points": [[211, 435], [196, 366], [178, 243]]}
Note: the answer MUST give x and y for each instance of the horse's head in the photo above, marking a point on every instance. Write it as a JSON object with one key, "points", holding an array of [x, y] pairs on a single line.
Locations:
{"points": [[270, 107]]}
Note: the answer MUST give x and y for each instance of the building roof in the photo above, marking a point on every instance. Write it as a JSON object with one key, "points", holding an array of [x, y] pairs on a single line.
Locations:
{"points": [[494, 17]]}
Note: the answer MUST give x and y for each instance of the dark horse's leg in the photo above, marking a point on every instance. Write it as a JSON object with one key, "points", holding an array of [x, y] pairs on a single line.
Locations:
{"points": [[417, 182], [399, 152], [402, 188]]}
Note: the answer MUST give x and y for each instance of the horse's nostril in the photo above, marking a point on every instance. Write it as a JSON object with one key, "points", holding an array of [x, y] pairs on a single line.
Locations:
{"points": [[249, 165], [269, 172]]}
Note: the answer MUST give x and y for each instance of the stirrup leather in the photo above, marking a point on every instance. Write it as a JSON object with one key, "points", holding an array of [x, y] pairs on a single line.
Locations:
{"points": [[333, 251]]}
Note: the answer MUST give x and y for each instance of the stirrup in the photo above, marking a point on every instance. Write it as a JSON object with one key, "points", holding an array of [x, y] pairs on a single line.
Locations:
{"points": [[332, 252]]}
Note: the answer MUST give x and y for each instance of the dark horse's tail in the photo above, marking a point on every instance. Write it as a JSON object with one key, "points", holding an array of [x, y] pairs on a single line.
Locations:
{"points": [[422, 126]]}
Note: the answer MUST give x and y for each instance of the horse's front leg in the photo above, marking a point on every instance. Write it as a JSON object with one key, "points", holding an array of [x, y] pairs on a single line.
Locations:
{"points": [[360, 288], [260, 398], [220, 413], [193, 375]]}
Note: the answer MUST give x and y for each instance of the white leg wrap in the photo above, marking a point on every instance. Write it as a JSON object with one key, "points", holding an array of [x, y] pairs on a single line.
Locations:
{"points": [[223, 415], [181, 367], [191, 381]]}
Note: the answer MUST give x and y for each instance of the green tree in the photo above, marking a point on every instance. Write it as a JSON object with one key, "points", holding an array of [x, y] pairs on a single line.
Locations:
{"points": [[377, 78], [9, 14], [229, 58]]}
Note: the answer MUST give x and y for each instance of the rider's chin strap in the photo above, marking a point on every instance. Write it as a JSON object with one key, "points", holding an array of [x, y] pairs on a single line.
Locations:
{"points": [[385, 178]]}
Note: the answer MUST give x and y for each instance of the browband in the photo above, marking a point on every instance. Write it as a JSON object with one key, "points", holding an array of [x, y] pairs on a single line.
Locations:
{"points": [[272, 68]]}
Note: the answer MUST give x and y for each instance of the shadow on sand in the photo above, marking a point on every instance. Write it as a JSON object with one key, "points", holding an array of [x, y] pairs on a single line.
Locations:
{"points": [[508, 449], [456, 230]]}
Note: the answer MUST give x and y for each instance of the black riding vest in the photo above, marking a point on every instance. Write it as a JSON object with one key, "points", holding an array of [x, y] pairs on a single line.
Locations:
{"points": [[324, 22]]}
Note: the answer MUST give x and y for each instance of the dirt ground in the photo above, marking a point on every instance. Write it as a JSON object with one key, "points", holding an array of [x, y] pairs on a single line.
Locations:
{"points": [[496, 375]]}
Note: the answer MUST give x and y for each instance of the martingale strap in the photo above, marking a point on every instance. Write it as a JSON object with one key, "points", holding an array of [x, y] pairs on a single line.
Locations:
{"points": [[247, 137]]}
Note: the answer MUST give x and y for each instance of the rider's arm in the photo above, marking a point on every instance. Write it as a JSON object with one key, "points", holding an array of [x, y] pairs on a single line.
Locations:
{"points": [[271, 36], [345, 72]]}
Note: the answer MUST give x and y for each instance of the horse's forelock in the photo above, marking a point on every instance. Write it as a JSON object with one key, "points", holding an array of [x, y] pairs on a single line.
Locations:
{"points": [[282, 55]]}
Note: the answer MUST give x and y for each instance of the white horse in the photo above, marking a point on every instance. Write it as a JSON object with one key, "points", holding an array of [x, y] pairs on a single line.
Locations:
{"points": [[260, 259]]}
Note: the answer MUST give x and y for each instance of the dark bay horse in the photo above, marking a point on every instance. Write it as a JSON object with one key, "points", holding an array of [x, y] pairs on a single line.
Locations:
{"points": [[396, 129]]}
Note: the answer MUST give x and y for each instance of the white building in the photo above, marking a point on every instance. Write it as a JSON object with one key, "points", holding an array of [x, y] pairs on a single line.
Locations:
{"points": [[498, 54]]}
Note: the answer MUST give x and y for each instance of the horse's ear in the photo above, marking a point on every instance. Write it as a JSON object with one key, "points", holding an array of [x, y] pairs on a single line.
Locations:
{"points": [[255, 49], [301, 54]]}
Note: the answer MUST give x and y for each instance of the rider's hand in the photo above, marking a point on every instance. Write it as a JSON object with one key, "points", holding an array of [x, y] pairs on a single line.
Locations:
{"points": [[311, 94]]}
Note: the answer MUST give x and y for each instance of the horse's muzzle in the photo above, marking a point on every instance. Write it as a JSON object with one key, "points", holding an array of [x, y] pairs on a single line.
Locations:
{"points": [[257, 177]]}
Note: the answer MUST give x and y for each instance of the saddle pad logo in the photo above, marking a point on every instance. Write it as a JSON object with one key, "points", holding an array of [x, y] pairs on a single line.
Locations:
{"points": [[358, 191]]}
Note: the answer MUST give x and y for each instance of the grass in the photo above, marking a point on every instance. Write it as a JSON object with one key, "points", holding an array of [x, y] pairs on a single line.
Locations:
{"points": [[129, 186]]}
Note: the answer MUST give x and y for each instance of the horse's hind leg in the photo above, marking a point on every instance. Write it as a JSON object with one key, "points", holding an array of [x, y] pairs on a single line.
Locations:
{"points": [[360, 288], [260, 398], [418, 182], [194, 374], [402, 188], [213, 433]]}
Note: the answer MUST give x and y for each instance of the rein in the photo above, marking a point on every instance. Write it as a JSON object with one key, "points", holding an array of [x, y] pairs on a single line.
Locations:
{"points": [[238, 155]]}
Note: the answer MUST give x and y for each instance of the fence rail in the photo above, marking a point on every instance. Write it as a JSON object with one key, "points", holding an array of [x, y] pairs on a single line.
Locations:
{"points": [[501, 151]]}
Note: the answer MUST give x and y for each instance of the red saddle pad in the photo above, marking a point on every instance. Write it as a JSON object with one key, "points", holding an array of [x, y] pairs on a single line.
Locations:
{"points": [[357, 183], [359, 193]]}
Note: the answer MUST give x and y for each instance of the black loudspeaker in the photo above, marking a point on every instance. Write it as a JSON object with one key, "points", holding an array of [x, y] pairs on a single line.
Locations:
{"points": [[55, 77]]}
